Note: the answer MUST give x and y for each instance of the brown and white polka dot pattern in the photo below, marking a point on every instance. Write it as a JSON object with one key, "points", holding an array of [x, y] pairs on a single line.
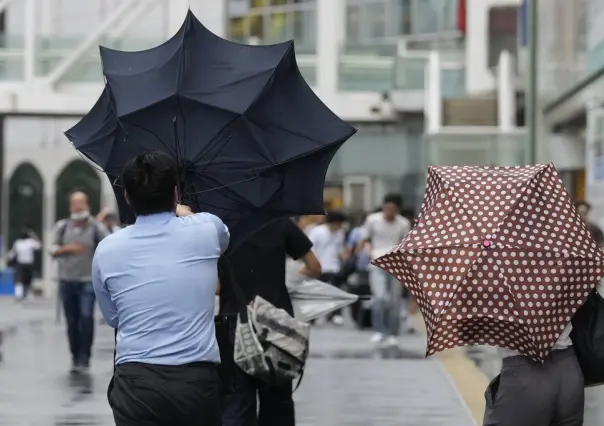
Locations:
{"points": [[498, 257]]}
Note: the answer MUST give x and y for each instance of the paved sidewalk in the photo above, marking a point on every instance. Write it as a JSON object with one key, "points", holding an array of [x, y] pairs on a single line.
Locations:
{"points": [[14, 313], [348, 383]]}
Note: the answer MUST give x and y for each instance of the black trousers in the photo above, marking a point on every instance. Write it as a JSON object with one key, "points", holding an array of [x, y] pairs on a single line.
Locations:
{"points": [[255, 403], [160, 395], [25, 273]]}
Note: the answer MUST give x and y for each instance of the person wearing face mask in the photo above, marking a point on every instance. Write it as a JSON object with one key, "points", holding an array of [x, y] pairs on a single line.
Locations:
{"points": [[75, 240]]}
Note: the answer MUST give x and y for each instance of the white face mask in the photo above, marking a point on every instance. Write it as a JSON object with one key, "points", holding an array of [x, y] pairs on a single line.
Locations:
{"points": [[80, 215]]}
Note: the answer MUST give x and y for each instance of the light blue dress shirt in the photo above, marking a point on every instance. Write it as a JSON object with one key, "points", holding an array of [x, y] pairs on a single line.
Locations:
{"points": [[155, 282]]}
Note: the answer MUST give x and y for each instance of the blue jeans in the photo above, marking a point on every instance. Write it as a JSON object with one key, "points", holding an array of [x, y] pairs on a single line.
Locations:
{"points": [[78, 304], [386, 304]]}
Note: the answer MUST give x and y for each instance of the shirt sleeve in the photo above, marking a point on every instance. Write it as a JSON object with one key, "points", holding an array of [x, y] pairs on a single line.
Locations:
{"points": [[102, 230], [35, 244], [297, 244], [367, 229], [406, 228], [56, 236], [353, 238], [108, 308], [222, 231]]}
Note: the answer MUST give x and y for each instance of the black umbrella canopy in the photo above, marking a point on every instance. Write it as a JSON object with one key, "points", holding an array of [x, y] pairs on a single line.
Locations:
{"points": [[251, 139]]}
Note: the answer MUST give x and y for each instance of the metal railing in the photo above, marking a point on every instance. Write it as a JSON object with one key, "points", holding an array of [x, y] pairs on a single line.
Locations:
{"points": [[377, 67], [477, 146]]}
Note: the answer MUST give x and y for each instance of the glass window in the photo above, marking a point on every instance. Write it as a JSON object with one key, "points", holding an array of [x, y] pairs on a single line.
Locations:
{"points": [[401, 14], [237, 29], [256, 29], [258, 3], [277, 28], [353, 24], [376, 18], [304, 30]]}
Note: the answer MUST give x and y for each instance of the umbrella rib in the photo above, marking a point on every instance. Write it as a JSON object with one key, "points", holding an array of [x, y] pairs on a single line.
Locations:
{"points": [[231, 198], [442, 311], [223, 186], [218, 151], [214, 141], [153, 135]]}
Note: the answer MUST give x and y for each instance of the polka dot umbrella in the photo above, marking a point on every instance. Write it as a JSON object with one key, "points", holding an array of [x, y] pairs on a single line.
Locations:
{"points": [[498, 257]]}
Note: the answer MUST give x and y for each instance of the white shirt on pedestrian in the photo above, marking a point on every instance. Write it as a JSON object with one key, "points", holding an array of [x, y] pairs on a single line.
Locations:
{"points": [[384, 234], [328, 246], [24, 250]]}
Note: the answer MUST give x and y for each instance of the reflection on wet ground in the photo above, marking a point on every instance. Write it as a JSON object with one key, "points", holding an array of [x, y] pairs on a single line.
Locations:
{"points": [[36, 388], [346, 383]]}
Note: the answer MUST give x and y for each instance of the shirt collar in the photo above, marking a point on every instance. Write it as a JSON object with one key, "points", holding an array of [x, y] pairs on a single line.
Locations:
{"points": [[155, 218]]}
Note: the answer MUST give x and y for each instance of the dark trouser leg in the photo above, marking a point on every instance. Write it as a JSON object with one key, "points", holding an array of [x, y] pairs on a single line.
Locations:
{"points": [[276, 405], [86, 325], [571, 399], [240, 407], [69, 292], [25, 274]]}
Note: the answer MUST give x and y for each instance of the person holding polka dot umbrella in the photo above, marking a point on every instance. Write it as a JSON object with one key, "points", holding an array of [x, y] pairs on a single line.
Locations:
{"points": [[499, 256]]}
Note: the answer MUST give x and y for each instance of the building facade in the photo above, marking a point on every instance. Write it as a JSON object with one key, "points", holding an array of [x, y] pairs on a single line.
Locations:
{"points": [[396, 69]]}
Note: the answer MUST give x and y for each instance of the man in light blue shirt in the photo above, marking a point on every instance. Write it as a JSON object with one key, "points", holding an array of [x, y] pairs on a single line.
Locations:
{"points": [[155, 282]]}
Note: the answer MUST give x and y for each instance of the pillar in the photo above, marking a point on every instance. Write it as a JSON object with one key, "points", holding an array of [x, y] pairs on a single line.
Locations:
{"points": [[433, 105], [331, 15], [506, 93], [30, 35]]}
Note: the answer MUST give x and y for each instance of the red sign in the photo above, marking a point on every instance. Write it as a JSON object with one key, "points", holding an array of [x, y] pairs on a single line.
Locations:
{"points": [[461, 15]]}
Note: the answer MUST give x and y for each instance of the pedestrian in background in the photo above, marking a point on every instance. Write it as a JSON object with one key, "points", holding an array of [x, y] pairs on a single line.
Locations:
{"points": [[584, 209], [75, 240], [259, 265], [309, 222], [383, 231], [356, 271], [155, 282], [23, 255], [329, 244]]}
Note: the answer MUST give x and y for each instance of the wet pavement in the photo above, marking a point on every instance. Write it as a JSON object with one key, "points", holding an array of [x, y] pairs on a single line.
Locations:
{"points": [[346, 383]]}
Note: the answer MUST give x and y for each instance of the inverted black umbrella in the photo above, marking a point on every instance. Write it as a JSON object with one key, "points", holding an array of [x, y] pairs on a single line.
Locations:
{"points": [[251, 139]]}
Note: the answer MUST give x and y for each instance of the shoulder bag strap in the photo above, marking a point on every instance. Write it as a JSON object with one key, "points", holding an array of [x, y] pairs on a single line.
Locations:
{"points": [[226, 269]]}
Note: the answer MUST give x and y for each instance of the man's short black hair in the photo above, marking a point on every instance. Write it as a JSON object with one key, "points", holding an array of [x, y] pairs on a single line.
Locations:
{"points": [[150, 179], [394, 199], [335, 217]]}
